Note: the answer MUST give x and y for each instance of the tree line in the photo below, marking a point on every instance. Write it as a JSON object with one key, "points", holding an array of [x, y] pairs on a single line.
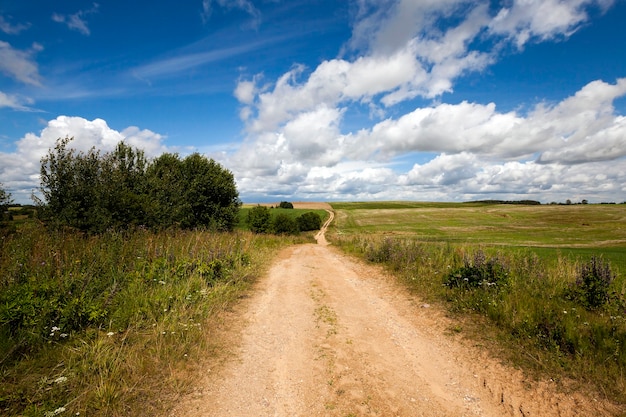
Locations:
{"points": [[93, 191]]}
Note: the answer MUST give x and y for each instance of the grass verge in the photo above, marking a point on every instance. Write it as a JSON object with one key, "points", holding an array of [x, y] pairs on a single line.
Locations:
{"points": [[116, 324], [557, 302]]}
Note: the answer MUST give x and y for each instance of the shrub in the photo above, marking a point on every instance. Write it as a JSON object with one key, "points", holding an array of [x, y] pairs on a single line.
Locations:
{"points": [[285, 205], [259, 219], [479, 272], [591, 288], [284, 225], [309, 221]]}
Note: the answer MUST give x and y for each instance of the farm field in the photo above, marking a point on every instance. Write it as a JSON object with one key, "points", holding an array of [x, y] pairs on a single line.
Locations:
{"points": [[576, 230], [544, 283]]}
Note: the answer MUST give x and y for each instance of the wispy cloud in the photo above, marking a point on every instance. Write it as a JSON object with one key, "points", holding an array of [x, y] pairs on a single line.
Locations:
{"points": [[15, 102], [244, 5], [182, 62], [77, 20], [12, 29], [20, 64]]}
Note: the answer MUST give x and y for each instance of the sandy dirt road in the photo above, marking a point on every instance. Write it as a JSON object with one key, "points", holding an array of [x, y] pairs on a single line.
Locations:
{"points": [[326, 335]]}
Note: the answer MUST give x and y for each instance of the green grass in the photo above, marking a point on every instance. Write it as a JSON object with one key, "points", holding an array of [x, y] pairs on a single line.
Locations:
{"points": [[552, 229], [115, 324], [533, 305]]}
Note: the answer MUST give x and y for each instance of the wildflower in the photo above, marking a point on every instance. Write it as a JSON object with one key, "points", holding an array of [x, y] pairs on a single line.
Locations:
{"points": [[60, 380], [55, 412]]}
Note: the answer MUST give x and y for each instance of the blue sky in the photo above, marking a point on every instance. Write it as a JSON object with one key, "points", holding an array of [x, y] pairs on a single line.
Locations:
{"points": [[431, 100]]}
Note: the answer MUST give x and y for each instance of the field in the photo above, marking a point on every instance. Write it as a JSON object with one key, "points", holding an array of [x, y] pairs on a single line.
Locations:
{"points": [[576, 230], [544, 283]]}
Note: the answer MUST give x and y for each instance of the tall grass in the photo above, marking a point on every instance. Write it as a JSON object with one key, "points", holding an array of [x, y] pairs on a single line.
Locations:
{"points": [[111, 325], [540, 308]]}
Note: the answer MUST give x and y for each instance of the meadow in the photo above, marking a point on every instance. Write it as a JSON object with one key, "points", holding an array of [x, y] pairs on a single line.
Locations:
{"points": [[543, 285], [118, 323]]}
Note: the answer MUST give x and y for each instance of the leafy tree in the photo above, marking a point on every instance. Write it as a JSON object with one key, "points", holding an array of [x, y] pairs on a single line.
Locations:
{"points": [[124, 181], [5, 200], [94, 192], [309, 221], [5, 197], [210, 194], [259, 219], [285, 205], [165, 205], [283, 224], [71, 186]]}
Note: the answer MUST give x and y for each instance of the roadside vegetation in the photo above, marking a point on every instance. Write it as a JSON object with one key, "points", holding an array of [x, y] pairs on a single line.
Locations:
{"points": [[113, 285], [281, 220], [547, 282], [114, 324]]}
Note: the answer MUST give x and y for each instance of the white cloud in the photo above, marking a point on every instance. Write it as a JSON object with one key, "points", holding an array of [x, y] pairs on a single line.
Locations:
{"points": [[245, 5], [479, 152], [19, 170], [12, 29], [20, 64], [77, 20], [526, 20], [14, 102], [419, 49]]}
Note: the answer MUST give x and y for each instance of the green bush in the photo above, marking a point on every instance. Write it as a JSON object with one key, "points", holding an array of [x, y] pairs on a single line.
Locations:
{"points": [[285, 205], [259, 219], [479, 272], [283, 224], [593, 280], [309, 221]]}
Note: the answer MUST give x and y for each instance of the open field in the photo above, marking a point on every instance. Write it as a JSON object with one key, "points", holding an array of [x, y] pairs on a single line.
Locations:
{"points": [[544, 283], [579, 230]]}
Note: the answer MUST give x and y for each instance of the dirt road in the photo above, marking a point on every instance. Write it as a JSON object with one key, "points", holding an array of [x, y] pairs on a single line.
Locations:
{"points": [[325, 335]]}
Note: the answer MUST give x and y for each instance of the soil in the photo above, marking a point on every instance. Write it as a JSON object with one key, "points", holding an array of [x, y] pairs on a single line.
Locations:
{"points": [[323, 334]]}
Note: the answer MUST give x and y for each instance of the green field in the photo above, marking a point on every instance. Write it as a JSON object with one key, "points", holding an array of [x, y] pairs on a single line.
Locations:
{"points": [[544, 285], [577, 230]]}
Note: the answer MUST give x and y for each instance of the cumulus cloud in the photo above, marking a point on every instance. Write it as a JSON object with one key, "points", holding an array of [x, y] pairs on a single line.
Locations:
{"points": [[19, 170], [20, 65], [403, 50], [542, 20]]}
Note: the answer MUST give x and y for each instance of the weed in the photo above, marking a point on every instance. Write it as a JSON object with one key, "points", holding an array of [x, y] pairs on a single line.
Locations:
{"points": [[593, 280]]}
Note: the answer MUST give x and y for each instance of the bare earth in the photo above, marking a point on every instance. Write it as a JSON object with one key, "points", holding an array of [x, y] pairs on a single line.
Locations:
{"points": [[326, 335]]}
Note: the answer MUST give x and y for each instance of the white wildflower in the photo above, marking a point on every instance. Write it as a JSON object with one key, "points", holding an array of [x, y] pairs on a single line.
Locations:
{"points": [[60, 380]]}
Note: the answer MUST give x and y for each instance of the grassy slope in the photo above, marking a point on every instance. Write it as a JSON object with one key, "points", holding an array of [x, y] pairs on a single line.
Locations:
{"points": [[542, 248], [579, 230]]}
